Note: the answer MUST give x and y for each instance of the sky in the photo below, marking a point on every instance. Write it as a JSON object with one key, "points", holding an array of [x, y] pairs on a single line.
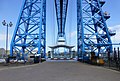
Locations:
{"points": [[9, 11]]}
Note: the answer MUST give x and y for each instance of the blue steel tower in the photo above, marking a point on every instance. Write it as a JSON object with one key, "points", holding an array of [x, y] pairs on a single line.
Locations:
{"points": [[30, 32], [92, 32]]}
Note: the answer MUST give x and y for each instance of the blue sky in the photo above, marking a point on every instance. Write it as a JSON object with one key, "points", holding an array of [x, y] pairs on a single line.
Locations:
{"points": [[9, 11]]}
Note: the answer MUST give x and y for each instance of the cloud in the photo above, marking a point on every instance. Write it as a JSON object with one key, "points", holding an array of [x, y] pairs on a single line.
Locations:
{"points": [[116, 38], [116, 27], [73, 34], [2, 37], [3, 40]]}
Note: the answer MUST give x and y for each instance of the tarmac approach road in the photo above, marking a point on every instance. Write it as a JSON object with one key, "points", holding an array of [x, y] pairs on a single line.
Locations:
{"points": [[58, 71]]}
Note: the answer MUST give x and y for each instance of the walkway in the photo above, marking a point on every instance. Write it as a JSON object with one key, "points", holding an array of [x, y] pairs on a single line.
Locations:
{"points": [[58, 71]]}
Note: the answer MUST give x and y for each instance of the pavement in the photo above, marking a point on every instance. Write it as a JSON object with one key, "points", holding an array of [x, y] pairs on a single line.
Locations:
{"points": [[58, 71]]}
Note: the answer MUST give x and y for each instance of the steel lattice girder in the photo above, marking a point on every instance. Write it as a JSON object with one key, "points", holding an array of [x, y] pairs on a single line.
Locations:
{"points": [[61, 12], [92, 31], [30, 33]]}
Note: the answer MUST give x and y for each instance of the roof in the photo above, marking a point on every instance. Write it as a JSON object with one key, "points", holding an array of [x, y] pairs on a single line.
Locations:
{"points": [[57, 46]]}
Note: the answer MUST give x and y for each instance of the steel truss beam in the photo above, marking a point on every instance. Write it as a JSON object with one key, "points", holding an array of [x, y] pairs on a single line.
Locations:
{"points": [[61, 12], [30, 32], [92, 31]]}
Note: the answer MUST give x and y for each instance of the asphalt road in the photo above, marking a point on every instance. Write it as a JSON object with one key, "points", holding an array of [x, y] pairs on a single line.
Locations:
{"points": [[58, 71]]}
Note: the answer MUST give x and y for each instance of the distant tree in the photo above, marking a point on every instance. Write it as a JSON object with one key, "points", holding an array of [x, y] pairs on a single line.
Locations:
{"points": [[2, 52]]}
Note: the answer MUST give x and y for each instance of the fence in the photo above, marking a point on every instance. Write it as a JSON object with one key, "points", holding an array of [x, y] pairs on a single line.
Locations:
{"points": [[113, 60]]}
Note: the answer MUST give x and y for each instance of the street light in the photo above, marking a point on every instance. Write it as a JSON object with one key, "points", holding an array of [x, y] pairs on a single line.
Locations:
{"points": [[7, 25]]}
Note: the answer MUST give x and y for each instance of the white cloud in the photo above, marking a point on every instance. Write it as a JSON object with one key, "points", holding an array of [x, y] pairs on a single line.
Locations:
{"points": [[73, 34], [2, 37], [3, 40], [116, 38], [116, 27]]}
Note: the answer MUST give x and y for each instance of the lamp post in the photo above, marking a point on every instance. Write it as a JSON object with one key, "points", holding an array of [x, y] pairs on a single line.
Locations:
{"points": [[7, 25]]}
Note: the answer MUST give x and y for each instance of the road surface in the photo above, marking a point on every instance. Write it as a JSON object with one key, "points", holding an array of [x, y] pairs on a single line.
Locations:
{"points": [[58, 71]]}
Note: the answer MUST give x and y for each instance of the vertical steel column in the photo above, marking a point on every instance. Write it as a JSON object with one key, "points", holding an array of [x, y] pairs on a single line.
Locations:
{"points": [[43, 32], [118, 58], [109, 57], [115, 58], [80, 30]]}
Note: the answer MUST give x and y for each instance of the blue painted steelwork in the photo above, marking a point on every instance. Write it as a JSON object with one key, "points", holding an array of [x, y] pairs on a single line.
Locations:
{"points": [[61, 12], [30, 32], [92, 31]]}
